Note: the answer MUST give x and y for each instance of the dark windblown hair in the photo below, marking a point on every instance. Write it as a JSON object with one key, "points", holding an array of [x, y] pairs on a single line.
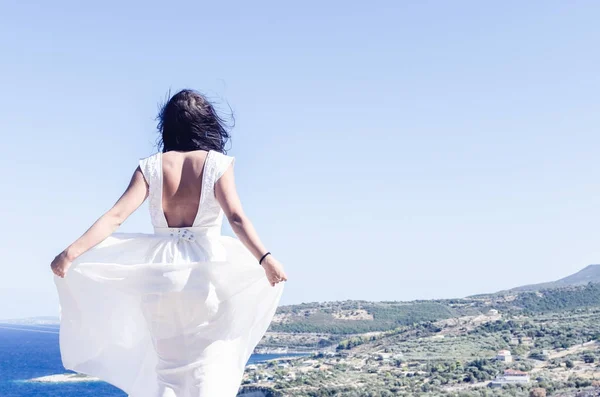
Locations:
{"points": [[188, 121]]}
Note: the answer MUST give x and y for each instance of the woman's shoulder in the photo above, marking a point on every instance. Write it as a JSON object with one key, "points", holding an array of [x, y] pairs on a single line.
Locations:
{"points": [[219, 157], [148, 161], [147, 158]]}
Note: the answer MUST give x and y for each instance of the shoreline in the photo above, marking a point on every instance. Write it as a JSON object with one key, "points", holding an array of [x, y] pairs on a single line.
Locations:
{"points": [[78, 377]]}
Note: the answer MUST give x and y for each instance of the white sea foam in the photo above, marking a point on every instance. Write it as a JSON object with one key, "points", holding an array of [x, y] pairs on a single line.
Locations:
{"points": [[64, 378]]}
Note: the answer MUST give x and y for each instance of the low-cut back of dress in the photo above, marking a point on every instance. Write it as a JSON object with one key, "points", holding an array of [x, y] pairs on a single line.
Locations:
{"points": [[176, 313]]}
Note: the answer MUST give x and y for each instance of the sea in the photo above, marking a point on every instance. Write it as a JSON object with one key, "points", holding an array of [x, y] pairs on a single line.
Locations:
{"points": [[31, 351]]}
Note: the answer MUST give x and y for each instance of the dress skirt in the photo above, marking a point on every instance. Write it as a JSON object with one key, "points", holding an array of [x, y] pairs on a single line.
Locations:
{"points": [[172, 314]]}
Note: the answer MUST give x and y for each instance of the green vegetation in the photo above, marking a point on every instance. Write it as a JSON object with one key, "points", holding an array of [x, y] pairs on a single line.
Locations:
{"points": [[319, 317], [559, 299], [550, 331], [385, 316], [440, 348]]}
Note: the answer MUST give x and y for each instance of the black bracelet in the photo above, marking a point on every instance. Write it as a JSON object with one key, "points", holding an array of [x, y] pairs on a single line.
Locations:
{"points": [[263, 257]]}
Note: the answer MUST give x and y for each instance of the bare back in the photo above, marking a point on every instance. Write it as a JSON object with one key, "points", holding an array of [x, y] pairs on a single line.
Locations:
{"points": [[182, 185]]}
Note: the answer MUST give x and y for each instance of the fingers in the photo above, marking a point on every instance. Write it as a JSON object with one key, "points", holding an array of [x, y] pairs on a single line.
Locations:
{"points": [[277, 279], [282, 277], [57, 271]]}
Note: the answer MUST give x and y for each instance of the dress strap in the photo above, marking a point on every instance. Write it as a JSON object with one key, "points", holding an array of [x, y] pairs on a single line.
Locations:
{"points": [[152, 169], [214, 167], [222, 164]]}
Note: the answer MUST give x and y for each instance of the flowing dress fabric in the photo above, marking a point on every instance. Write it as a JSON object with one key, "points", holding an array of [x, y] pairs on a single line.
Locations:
{"points": [[176, 313]]}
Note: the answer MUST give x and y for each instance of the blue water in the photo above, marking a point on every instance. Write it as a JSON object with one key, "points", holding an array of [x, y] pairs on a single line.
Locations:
{"points": [[28, 351]]}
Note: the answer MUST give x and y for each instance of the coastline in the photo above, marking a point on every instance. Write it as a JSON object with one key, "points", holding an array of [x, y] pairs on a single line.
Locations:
{"points": [[77, 377]]}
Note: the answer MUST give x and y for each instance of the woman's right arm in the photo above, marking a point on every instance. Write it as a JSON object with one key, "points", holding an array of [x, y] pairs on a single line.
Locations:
{"points": [[229, 200]]}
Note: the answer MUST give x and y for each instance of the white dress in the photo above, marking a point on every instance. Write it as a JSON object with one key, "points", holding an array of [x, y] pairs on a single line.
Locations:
{"points": [[176, 313]]}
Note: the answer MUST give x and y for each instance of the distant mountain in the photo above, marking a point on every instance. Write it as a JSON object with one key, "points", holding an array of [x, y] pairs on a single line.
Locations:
{"points": [[590, 274], [32, 320]]}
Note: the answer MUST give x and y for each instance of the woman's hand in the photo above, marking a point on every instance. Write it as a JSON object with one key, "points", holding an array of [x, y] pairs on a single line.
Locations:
{"points": [[274, 270], [61, 264]]}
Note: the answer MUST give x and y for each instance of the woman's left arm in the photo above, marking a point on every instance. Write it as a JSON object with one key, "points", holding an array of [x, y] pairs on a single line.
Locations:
{"points": [[134, 196]]}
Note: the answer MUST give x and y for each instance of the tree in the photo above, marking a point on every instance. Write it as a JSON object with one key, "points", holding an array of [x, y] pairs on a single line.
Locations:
{"points": [[537, 392], [569, 364]]}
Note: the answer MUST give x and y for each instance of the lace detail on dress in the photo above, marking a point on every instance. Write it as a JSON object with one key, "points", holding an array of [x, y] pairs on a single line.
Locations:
{"points": [[152, 169], [210, 212], [206, 188], [208, 180]]}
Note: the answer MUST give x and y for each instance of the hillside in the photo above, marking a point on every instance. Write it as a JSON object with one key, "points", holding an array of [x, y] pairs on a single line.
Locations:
{"points": [[590, 274], [317, 326], [558, 352], [355, 317]]}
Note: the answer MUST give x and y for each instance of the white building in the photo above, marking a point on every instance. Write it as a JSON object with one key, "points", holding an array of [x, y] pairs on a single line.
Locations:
{"points": [[505, 356], [526, 341], [511, 376]]}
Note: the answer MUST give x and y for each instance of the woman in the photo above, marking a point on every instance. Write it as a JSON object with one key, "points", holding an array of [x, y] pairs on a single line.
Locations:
{"points": [[176, 313]]}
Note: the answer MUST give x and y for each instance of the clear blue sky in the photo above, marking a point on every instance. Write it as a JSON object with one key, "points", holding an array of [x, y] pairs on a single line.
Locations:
{"points": [[387, 150]]}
